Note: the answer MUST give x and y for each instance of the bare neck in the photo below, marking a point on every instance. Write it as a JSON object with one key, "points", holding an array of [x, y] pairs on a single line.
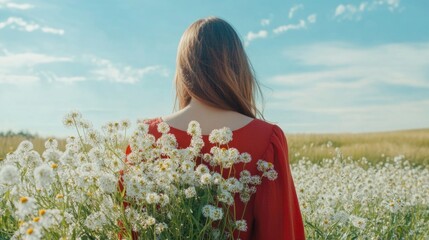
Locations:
{"points": [[209, 117]]}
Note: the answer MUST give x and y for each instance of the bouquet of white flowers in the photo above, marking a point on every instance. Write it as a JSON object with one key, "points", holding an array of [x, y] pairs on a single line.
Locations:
{"points": [[164, 192]]}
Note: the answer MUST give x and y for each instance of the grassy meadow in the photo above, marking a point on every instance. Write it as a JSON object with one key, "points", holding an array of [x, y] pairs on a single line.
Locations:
{"points": [[376, 146]]}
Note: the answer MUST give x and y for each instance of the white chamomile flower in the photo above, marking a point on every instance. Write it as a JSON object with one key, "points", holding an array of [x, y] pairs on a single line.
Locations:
{"points": [[264, 166], [221, 136], [245, 197], [241, 225], [44, 176], [125, 124], [96, 220], [202, 169], [152, 198], [190, 192], [245, 157], [255, 180], [194, 128], [217, 178], [206, 210], [271, 174], [150, 220], [164, 200], [25, 146], [207, 157], [163, 127], [160, 227], [107, 183], [206, 178], [30, 231], [25, 206], [216, 213], [358, 221], [226, 197], [9, 175], [142, 127], [51, 143]]}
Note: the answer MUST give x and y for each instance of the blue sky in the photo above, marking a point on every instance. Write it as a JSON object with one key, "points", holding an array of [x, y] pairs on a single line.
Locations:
{"points": [[325, 66]]}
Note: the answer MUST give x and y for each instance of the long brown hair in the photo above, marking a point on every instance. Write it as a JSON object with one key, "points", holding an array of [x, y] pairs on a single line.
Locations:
{"points": [[213, 68]]}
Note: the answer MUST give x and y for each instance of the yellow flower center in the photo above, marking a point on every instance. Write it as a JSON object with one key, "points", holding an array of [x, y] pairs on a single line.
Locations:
{"points": [[54, 165], [23, 199], [59, 196], [30, 231], [42, 212], [36, 219]]}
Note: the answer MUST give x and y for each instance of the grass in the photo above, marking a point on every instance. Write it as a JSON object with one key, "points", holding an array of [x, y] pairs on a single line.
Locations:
{"points": [[376, 147], [10, 143]]}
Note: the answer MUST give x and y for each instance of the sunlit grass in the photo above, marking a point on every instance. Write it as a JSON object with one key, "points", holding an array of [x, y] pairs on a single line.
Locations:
{"points": [[376, 147]]}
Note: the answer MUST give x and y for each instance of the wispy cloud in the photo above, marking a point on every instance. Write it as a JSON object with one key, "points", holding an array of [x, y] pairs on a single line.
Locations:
{"points": [[353, 81], [311, 18], [13, 5], [53, 77], [22, 25], [252, 36], [265, 22], [354, 12], [287, 27], [19, 68], [400, 64], [294, 9], [301, 25], [25, 68], [106, 70]]}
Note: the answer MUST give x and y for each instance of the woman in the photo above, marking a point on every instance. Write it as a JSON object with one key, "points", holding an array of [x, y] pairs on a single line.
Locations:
{"points": [[215, 86]]}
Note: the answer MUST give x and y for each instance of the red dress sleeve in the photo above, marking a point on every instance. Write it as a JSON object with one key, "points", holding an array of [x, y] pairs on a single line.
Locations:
{"points": [[124, 203], [276, 211]]}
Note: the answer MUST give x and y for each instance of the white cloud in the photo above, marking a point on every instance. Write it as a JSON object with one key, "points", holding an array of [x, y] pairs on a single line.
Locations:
{"points": [[19, 60], [106, 70], [12, 5], [22, 25], [52, 30], [353, 86], [400, 64], [252, 36], [265, 22], [25, 68], [18, 68], [53, 77], [294, 9], [354, 12], [285, 28], [311, 18], [17, 79]]}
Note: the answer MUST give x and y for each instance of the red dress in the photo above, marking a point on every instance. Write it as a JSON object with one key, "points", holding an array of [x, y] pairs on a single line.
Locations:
{"points": [[273, 211]]}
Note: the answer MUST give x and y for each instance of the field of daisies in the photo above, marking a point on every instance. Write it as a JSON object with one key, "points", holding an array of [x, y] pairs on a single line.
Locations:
{"points": [[72, 193]]}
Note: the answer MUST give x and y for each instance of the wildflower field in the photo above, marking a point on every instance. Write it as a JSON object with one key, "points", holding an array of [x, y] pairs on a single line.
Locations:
{"points": [[350, 186]]}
